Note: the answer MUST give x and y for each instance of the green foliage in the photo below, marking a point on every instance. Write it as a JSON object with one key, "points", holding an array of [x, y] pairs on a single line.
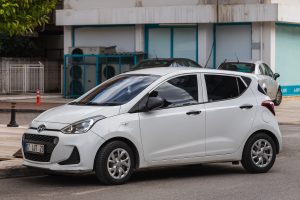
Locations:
{"points": [[18, 17], [19, 46]]}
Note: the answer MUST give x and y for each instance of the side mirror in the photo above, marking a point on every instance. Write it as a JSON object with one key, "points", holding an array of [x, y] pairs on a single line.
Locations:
{"points": [[154, 102], [276, 76]]}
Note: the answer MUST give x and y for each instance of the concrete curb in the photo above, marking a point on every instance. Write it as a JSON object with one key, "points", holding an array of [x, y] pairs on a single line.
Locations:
{"points": [[289, 123], [22, 111], [19, 171], [12, 169]]}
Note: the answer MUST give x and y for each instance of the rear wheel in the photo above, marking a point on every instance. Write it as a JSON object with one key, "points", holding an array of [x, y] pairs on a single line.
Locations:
{"points": [[259, 153], [114, 163], [278, 98]]}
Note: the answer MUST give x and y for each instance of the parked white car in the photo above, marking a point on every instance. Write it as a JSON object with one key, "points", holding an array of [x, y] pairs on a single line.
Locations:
{"points": [[157, 117], [266, 77]]}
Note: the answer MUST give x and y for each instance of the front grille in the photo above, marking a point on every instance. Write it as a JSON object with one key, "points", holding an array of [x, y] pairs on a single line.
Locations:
{"points": [[49, 143]]}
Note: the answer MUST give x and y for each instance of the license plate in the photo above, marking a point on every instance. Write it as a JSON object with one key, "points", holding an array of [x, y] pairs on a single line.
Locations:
{"points": [[35, 148]]}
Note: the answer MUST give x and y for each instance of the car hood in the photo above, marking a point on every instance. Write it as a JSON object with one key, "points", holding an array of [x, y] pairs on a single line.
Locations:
{"points": [[67, 114]]}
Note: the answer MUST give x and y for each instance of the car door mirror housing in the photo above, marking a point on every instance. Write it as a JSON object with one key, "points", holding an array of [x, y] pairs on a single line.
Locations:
{"points": [[276, 76], [154, 102]]}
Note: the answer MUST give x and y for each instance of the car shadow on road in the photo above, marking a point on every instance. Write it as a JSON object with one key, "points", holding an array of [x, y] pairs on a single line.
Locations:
{"points": [[188, 171], [154, 174]]}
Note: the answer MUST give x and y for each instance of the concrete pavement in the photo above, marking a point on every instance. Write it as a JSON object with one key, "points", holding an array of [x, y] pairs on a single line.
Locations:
{"points": [[10, 143], [289, 111], [205, 182]]}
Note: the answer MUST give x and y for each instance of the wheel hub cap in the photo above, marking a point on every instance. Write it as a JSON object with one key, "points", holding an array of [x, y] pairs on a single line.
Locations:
{"points": [[118, 163], [261, 153]]}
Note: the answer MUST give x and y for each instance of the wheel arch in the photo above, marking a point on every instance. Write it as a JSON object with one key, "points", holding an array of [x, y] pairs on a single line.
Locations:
{"points": [[129, 143], [269, 133]]}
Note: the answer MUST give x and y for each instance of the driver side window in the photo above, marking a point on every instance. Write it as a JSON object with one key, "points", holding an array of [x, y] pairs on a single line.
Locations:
{"points": [[179, 91]]}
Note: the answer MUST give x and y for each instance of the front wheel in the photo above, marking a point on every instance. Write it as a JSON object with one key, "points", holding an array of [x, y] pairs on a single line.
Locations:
{"points": [[259, 153], [114, 163], [278, 98]]}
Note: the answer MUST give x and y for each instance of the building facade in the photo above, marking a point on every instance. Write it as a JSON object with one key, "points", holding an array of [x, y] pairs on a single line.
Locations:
{"points": [[207, 31]]}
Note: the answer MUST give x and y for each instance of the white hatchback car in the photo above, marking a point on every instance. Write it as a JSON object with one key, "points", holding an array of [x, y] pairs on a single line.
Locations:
{"points": [[157, 117]]}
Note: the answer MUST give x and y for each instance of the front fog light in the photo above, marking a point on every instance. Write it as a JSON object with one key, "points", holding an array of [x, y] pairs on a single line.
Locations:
{"points": [[81, 126]]}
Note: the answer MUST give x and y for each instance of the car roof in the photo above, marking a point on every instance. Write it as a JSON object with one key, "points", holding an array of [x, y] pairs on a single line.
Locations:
{"points": [[242, 61], [165, 59], [162, 71]]}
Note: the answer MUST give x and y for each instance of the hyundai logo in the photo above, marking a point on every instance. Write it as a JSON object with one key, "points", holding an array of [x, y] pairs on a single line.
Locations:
{"points": [[41, 128]]}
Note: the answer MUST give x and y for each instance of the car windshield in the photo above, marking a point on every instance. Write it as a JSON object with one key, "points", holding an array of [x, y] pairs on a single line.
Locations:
{"points": [[117, 91], [153, 63], [238, 67]]}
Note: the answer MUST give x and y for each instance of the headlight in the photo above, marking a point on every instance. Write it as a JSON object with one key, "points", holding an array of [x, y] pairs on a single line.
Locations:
{"points": [[82, 126]]}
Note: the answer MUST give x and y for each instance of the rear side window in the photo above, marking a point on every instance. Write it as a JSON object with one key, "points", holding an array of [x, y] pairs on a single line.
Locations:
{"points": [[221, 87], [268, 70], [247, 80], [242, 86], [238, 67], [179, 91]]}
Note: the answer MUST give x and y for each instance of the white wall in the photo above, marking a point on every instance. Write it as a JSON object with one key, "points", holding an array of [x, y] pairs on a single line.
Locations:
{"points": [[67, 38], [257, 41], [139, 37], [205, 42], [123, 37], [269, 44], [137, 15], [285, 1], [88, 4]]}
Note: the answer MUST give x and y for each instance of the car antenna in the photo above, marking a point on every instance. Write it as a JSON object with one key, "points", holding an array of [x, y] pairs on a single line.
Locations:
{"points": [[155, 55], [237, 57]]}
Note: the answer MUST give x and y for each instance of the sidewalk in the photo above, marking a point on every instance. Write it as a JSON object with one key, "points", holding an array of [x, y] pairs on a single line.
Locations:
{"points": [[289, 111], [10, 138], [27, 103], [10, 143], [26, 107]]}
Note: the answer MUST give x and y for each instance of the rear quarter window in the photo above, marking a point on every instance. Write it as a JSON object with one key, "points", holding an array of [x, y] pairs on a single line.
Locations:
{"points": [[259, 88]]}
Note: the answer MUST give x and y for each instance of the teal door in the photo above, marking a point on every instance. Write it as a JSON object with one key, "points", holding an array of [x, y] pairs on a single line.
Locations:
{"points": [[287, 58], [171, 42]]}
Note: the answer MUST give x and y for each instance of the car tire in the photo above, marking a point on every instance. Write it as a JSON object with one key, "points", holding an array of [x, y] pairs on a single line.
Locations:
{"points": [[114, 163], [278, 98], [259, 153]]}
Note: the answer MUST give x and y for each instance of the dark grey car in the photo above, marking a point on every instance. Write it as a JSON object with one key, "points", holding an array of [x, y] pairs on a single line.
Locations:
{"points": [[166, 62]]}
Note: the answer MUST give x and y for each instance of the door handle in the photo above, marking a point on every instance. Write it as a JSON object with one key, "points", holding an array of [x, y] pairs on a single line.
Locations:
{"points": [[246, 106], [193, 113]]}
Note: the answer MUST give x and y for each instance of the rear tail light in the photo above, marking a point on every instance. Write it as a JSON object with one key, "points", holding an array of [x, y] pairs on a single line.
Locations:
{"points": [[269, 105]]}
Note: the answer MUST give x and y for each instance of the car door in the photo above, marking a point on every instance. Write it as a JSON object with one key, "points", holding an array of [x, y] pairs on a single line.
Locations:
{"points": [[177, 130], [230, 111]]}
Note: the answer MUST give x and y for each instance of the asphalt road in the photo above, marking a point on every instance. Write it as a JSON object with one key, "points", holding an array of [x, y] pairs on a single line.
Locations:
{"points": [[209, 181]]}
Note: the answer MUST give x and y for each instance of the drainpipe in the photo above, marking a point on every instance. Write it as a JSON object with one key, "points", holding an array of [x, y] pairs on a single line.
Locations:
{"points": [[261, 36], [261, 41]]}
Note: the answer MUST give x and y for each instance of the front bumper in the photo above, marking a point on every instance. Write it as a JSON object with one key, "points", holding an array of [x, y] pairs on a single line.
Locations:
{"points": [[55, 155]]}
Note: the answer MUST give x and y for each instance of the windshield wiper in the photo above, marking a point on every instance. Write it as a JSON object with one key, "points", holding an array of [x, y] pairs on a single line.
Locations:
{"points": [[76, 103], [104, 104]]}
